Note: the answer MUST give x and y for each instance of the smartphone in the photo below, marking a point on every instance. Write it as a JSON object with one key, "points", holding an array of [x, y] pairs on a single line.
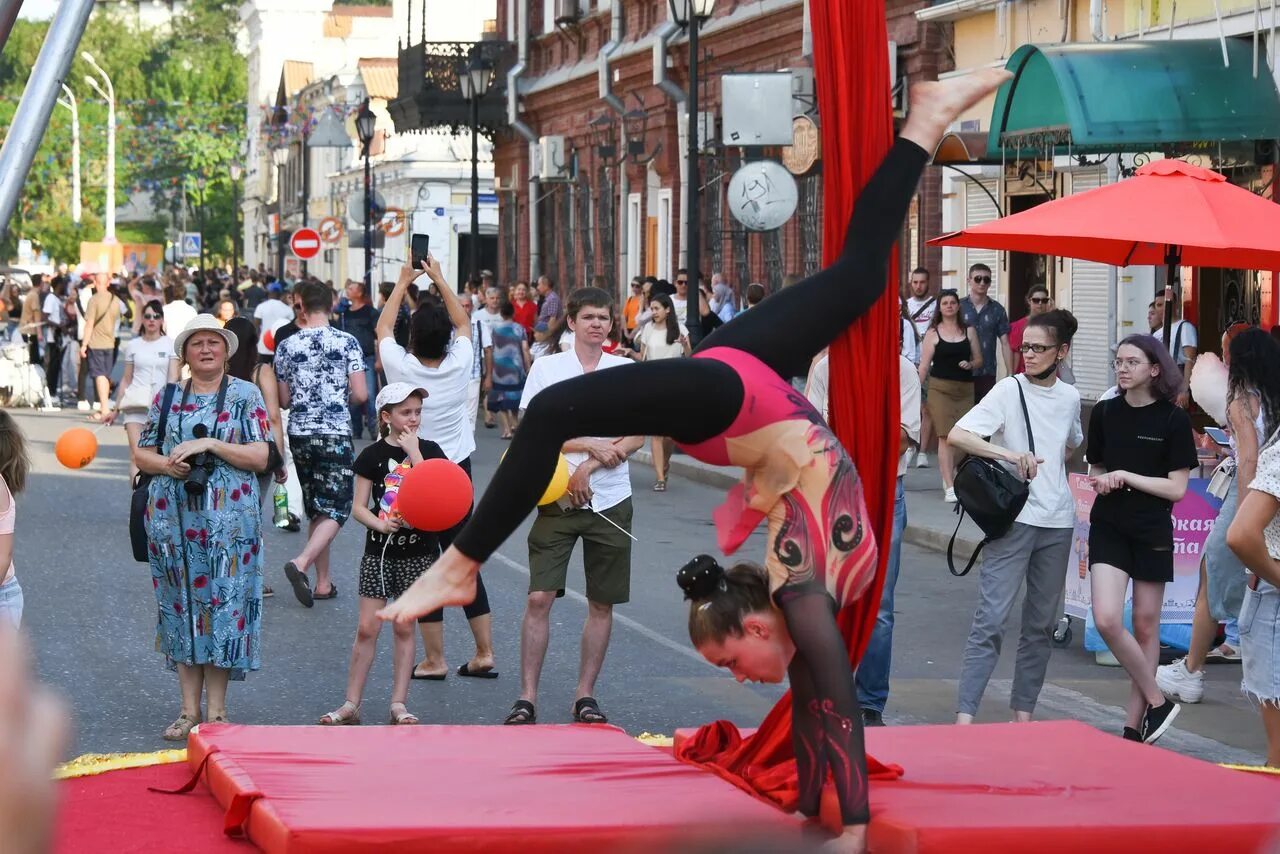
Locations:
{"points": [[1218, 435], [419, 246]]}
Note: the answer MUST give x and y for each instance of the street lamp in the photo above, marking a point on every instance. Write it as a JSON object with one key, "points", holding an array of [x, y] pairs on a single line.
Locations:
{"points": [[201, 181], [473, 81], [280, 156], [110, 95], [71, 105], [692, 14], [366, 123], [237, 172]]}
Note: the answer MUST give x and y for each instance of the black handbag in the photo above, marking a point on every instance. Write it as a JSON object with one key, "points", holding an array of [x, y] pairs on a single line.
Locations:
{"points": [[142, 480], [991, 495]]}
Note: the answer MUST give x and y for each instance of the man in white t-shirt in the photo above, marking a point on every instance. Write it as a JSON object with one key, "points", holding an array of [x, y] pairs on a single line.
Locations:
{"points": [[1183, 341], [270, 315], [1036, 548], [921, 306], [680, 299], [596, 509], [177, 311], [486, 317]]}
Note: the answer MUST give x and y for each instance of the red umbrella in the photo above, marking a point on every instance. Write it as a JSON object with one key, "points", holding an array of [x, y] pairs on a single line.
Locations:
{"points": [[1170, 212]]}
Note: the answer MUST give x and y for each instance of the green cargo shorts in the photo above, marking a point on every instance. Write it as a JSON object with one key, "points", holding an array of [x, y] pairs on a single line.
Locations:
{"points": [[606, 551]]}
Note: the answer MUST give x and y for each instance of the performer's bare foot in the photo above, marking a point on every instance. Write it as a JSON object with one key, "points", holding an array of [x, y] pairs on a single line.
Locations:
{"points": [[935, 105], [450, 581]]}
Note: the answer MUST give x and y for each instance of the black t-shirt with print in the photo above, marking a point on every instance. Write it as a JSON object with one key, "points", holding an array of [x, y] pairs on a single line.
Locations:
{"points": [[1150, 440], [380, 465]]}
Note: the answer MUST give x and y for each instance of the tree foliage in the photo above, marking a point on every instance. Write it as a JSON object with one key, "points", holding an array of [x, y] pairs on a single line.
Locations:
{"points": [[180, 96]]}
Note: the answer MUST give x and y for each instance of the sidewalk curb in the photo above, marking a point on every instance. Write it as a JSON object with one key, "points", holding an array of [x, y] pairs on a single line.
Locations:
{"points": [[725, 478]]}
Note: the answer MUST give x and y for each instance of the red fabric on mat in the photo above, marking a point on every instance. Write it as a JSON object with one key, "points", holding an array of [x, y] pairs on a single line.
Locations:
{"points": [[114, 812], [457, 788], [851, 72]]}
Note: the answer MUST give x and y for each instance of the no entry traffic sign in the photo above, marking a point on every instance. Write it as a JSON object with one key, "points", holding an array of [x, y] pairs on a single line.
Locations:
{"points": [[305, 243]]}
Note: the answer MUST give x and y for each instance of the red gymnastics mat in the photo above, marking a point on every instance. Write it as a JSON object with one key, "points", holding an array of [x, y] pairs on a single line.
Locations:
{"points": [[458, 788], [1057, 786]]}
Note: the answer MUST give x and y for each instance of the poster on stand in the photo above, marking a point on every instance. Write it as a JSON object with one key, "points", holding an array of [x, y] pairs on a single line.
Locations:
{"points": [[1193, 519]]}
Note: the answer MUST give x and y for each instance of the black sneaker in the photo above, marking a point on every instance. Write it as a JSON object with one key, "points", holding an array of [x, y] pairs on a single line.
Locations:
{"points": [[870, 717], [1131, 734], [1157, 720]]}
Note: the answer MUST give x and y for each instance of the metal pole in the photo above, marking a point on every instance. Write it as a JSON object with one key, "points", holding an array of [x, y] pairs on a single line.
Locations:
{"points": [[235, 232], [368, 222], [32, 116], [110, 94], [200, 225], [9, 10], [280, 224], [473, 245], [692, 250], [306, 186], [71, 105]]}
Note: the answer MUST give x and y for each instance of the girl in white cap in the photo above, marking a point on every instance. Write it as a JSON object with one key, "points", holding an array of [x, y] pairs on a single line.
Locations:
{"points": [[394, 554]]}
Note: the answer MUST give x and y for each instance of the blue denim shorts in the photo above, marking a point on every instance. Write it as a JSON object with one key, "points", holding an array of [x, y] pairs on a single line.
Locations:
{"points": [[1260, 643], [11, 602]]}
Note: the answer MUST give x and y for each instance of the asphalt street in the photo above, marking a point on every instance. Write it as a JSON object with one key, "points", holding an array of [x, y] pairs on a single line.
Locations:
{"points": [[90, 613]]}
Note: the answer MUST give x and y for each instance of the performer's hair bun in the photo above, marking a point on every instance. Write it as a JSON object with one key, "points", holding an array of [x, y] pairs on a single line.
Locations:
{"points": [[701, 577]]}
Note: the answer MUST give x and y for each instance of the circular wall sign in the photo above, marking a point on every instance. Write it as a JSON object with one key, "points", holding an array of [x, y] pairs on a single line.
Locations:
{"points": [[802, 153], [762, 195]]}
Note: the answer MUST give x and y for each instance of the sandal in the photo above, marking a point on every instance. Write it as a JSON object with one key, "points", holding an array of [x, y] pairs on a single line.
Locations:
{"points": [[404, 717], [219, 719], [332, 594], [660, 486], [348, 714], [587, 711], [180, 729], [267, 592], [521, 713], [301, 584]]}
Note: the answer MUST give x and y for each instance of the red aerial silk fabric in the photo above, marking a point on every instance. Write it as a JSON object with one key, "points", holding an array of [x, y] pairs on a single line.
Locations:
{"points": [[851, 69]]}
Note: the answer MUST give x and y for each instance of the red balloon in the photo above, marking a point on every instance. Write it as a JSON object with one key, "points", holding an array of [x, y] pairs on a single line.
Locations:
{"points": [[269, 340], [435, 495]]}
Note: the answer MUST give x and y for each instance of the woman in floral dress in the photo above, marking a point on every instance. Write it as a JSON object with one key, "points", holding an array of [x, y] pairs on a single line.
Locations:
{"points": [[206, 544]]}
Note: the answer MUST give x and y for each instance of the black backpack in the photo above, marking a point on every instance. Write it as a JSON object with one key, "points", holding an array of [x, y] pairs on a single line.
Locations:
{"points": [[990, 494]]}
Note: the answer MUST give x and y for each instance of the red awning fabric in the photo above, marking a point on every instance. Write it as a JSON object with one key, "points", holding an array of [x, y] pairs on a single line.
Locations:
{"points": [[1167, 203]]}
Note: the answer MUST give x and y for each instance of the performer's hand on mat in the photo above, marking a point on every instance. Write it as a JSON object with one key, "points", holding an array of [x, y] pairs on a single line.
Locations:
{"points": [[33, 734], [580, 485], [1027, 464]]}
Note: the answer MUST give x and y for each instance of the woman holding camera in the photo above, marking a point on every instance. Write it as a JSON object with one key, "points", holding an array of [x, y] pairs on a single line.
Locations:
{"points": [[203, 521]]}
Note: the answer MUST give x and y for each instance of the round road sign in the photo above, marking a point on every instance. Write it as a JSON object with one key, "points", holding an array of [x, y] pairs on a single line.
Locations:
{"points": [[305, 243]]}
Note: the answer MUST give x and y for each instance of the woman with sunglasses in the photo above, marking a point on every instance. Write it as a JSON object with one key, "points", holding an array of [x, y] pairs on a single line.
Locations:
{"points": [[1038, 302], [1141, 452], [149, 363]]}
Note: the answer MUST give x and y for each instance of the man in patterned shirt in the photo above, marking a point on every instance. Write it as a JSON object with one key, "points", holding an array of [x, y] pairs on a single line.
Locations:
{"points": [[991, 321], [549, 305], [321, 373]]}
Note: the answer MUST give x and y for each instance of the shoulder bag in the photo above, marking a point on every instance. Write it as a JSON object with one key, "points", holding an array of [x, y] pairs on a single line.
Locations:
{"points": [[990, 494], [142, 481]]}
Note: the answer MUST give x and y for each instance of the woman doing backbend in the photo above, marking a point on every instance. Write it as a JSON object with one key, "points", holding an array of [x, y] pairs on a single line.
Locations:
{"points": [[821, 553]]}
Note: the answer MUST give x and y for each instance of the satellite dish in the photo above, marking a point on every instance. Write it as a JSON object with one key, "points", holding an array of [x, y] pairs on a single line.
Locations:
{"points": [[762, 195], [355, 208]]}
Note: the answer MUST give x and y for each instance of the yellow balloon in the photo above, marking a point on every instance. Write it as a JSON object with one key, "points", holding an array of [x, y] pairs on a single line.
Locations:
{"points": [[559, 483]]}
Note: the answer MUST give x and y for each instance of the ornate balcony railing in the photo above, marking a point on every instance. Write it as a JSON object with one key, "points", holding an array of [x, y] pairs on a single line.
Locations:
{"points": [[429, 95]]}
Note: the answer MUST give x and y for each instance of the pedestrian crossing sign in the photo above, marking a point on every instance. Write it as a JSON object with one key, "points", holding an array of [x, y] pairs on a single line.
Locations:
{"points": [[191, 244]]}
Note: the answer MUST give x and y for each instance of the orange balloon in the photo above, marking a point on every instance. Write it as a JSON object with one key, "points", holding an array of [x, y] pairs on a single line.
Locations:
{"points": [[269, 340], [435, 495], [76, 448]]}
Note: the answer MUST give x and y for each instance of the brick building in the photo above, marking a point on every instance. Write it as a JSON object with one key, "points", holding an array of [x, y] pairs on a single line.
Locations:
{"points": [[614, 91]]}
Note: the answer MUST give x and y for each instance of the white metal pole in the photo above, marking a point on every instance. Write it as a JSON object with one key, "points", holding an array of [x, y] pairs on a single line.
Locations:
{"points": [[71, 105], [110, 95]]}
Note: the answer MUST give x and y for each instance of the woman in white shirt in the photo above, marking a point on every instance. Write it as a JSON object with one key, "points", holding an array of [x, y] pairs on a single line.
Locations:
{"points": [[1035, 549], [439, 360], [149, 363], [664, 338]]}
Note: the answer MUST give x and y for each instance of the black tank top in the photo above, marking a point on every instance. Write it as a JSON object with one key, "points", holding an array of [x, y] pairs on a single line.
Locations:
{"points": [[947, 356]]}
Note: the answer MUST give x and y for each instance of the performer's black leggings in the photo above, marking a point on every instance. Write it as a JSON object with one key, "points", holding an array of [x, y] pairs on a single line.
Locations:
{"points": [[692, 400]]}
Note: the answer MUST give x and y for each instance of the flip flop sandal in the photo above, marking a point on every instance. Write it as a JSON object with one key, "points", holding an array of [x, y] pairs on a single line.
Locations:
{"points": [[301, 584], [332, 594], [587, 711], [428, 677], [341, 716], [267, 592], [521, 714], [465, 670], [660, 486], [405, 718], [180, 729]]}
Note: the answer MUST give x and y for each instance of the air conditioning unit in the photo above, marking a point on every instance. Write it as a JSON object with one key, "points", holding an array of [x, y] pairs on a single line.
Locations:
{"points": [[567, 13], [554, 161]]}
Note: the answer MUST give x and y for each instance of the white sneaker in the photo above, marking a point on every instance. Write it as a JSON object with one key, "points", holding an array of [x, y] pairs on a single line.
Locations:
{"points": [[82, 405], [922, 460], [1178, 683], [949, 495]]}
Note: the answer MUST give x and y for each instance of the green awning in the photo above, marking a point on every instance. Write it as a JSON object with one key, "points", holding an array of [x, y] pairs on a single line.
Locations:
{"points": [[1132, 96]]}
